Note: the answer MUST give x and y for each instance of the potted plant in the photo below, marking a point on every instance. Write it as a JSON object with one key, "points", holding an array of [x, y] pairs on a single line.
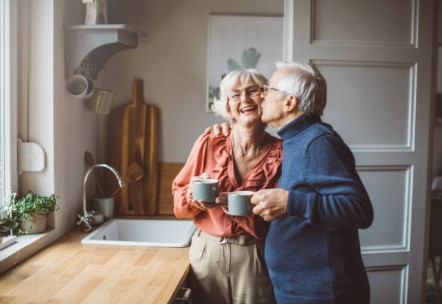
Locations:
{"points": [[31, 210], [6, 225]]}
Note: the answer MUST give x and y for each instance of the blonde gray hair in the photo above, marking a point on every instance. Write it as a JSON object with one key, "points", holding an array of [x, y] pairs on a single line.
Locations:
{"points": [[244, 76]]}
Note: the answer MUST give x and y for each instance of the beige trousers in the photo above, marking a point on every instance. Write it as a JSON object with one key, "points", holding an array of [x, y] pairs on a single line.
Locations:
{"points": [[228, 271]]}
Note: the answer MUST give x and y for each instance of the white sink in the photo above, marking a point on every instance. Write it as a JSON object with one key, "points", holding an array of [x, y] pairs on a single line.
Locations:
{"points": [[143, 232]]}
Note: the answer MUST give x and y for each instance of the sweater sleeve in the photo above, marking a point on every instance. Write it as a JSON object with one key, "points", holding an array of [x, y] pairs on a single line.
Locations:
{"points": [[336, 197], [194, 166]]}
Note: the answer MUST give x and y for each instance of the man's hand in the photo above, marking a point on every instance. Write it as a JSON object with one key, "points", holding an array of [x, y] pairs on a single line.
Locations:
{"points": [[220, 129], [270, 203]]}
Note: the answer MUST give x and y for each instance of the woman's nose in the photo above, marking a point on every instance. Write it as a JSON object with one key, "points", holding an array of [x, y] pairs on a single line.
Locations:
{"points": [[245, 95]]}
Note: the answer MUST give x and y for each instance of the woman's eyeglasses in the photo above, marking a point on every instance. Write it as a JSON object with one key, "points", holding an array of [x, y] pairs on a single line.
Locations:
{"points": [[250, 92]]}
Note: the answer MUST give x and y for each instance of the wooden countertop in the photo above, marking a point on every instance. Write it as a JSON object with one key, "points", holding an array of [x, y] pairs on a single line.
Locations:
{"points": [[70, 272]]}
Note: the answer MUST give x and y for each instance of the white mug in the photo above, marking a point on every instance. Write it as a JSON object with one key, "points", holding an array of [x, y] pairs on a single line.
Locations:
{"points": [[80, 86]]}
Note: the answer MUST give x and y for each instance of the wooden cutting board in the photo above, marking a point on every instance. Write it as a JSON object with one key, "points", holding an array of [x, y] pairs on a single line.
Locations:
{"points": [[132, 141]]}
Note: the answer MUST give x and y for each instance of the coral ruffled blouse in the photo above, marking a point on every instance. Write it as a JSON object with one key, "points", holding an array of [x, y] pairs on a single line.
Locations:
{"points": [[214, 155]]}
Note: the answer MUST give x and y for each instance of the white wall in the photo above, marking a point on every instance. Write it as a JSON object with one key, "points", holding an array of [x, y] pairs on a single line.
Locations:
{"points": [[172, 61], [75, 128], [61, 125]]}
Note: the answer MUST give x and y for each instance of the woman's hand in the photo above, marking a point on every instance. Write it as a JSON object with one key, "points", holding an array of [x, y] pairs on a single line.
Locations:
{"points": [[221, 200], [203, 175], [201, 205], [197, 204]]}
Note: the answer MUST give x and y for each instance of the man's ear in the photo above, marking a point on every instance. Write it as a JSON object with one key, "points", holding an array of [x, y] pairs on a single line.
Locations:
{"points": [[290, 103]]}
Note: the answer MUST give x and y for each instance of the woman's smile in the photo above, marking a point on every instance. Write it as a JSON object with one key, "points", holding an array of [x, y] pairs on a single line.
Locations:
{"points": [[248, 110]]}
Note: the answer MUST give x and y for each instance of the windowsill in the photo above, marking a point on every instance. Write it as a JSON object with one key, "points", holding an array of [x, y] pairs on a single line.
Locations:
{"points": [[8, 241], [25, 246]]}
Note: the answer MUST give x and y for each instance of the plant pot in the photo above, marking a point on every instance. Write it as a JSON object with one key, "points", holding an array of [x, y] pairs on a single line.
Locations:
{"points": [[36, 225]]}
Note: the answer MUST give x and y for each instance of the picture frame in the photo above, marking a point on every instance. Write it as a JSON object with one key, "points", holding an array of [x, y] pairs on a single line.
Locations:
{"points": [[241, 41]]}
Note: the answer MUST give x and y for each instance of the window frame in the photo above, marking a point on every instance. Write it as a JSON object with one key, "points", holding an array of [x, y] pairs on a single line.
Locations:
{"points": [[8, 99]]}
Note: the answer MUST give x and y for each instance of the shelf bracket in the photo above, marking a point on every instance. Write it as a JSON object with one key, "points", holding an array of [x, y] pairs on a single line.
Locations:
{"points": [[89, 47]]}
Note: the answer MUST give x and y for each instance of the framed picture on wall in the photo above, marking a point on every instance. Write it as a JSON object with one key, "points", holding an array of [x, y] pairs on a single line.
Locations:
{"points": [[237, 42]]}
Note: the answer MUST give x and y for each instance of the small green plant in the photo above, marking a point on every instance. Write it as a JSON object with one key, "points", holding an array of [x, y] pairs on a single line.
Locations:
{"points": [[6, 225], [23, 207]]}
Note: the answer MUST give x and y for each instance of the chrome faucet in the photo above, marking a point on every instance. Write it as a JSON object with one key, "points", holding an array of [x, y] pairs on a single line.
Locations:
{"points": [[85, 218]]}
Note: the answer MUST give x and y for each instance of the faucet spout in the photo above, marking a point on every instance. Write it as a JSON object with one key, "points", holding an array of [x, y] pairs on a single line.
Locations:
{"points": [[87, 215]]}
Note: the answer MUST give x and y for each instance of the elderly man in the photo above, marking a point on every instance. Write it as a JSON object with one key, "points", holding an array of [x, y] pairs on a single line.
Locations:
{"points": [[312, 248]]}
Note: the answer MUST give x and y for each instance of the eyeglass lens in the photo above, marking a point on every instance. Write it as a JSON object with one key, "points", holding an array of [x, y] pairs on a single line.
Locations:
{"points": [[250, 92], [264, 89]]}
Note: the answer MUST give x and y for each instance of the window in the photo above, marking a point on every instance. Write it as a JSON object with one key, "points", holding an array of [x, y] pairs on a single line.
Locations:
{"points": [[2, 99], [8, 159]]}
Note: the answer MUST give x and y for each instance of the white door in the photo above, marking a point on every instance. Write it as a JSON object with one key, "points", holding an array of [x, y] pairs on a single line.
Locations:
{"points": [[377, 59]]}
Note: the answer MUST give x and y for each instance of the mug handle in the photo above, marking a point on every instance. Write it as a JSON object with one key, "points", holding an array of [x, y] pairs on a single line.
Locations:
{"points": [[226, 210]]}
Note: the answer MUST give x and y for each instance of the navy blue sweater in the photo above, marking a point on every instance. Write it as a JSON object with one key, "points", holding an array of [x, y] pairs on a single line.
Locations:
{"points": [[313, 253]]}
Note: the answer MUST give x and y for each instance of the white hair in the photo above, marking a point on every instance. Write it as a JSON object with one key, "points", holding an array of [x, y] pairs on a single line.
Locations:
{"points": [[305, 82], [220, 105]]}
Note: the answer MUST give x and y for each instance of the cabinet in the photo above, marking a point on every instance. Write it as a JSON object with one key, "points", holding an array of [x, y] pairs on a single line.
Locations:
{"points": [[89, 47]]}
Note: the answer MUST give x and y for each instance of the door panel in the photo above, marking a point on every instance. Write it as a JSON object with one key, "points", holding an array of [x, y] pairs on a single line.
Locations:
{"points": [[370, 111], [363, 22], [385, 284], [391, 208], [377, 59]]}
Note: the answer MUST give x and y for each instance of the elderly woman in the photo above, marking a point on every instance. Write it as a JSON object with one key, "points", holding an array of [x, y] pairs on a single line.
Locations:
{"points": [[226, 255]]}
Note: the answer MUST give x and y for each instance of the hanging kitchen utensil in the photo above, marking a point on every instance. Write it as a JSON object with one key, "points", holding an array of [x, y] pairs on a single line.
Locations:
{"points": [[132, 140]]}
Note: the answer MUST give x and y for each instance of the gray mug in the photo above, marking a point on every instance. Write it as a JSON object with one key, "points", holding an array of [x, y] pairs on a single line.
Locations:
{"points": [[239, 203], [205, 190]]}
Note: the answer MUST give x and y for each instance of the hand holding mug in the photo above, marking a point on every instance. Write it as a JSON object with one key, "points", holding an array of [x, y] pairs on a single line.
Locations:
{"points": [[270, 203], [238, 203], [203, 192]]}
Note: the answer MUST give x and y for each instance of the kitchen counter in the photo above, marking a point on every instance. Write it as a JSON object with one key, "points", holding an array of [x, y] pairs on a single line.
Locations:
{"points": [[70, 272]]}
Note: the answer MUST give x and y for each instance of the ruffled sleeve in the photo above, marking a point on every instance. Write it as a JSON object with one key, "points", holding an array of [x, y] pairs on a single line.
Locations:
{"points": [[194, 166]]}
